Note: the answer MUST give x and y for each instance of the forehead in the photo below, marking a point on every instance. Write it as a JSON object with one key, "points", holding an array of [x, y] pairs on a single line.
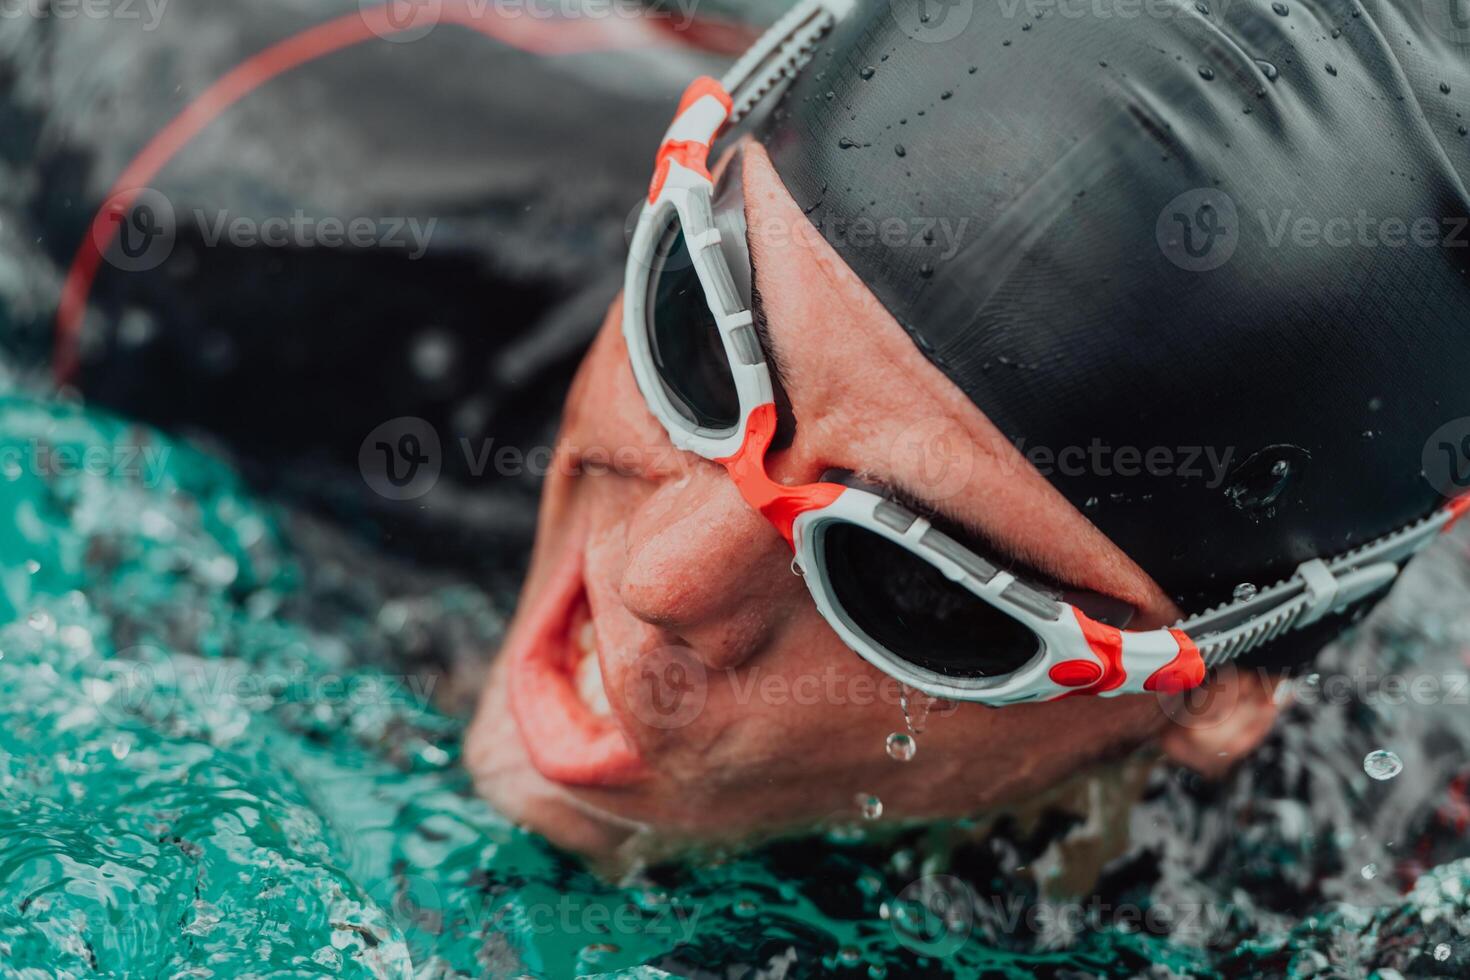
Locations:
{"points": [[867, 400]]}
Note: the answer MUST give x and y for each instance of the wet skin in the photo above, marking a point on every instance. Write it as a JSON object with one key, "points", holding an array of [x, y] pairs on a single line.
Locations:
{"points": [[732, 710]]}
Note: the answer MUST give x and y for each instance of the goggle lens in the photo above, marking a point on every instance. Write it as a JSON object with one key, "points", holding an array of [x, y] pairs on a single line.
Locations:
{"points": [[906, 606], [684, 338]]}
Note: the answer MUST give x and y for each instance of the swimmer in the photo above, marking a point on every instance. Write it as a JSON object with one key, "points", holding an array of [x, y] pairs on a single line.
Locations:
{"points": [[1031, 371]]}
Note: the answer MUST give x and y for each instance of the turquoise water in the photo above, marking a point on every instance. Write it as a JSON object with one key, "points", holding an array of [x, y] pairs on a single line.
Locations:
{"points": [[208, 767]]}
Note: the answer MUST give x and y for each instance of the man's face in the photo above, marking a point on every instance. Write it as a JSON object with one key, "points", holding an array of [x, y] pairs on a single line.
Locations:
{"points": [[666, 670]]}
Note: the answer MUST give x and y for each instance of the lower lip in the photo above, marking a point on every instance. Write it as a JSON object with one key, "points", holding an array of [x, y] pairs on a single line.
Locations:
{"points": [[565, 741]]}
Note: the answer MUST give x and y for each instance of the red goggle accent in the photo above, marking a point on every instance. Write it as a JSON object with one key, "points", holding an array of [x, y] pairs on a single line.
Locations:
{"points": [[777, 502], [691, 154]]}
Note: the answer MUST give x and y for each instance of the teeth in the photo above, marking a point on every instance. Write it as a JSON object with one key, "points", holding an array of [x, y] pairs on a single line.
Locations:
{"points": [[589, 673]]}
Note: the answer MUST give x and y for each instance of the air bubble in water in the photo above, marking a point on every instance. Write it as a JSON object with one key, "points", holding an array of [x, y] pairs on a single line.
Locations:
{"points": [[901, 746], [1244, 591], [1382, 764], [1369, 872], [1442, 952], [869, 806]]}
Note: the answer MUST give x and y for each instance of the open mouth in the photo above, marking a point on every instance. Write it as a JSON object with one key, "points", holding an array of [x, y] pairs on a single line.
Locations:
{"points": [[556, 689]]}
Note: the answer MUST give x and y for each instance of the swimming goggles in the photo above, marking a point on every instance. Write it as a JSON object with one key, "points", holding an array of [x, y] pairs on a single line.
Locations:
{"points": [[912, 600]]}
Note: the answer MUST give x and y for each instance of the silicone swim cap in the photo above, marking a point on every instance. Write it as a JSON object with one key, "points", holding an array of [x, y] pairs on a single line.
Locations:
{"points": [[1206, 267]]}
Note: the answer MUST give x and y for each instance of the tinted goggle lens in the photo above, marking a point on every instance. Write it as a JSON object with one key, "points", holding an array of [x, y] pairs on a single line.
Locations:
{"points": [[906, 606], [684, 338]]}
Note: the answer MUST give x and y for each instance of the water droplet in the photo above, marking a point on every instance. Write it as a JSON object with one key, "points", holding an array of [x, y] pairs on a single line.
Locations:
{"points": [[432, 355], [916, 705], [1207, 73], [1444, 87], [846, 143], [926, 271], [1336, 32], [1257, 484], [1382, 764], [1442, 951], [796, 568], [1331, 70], [40, 621], [901, 746], [1280, 8], [1244, 591], [1269, 70], [32, 566], [1369, 872], [121, 746], [1202, 8], [868, 72], [946, 94], [899, 150], [869, 806], [1090, 504]]}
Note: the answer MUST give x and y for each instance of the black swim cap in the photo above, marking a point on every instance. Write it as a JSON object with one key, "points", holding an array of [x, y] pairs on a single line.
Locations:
{"points": [[1207, 258]]}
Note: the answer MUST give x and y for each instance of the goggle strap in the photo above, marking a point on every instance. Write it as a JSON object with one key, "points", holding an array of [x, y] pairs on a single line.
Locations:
{"points": [[1318, 588], [780, 52]]}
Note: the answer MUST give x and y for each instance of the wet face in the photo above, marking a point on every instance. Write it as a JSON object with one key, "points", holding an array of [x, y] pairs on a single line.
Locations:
{"points": [[666, 672]]}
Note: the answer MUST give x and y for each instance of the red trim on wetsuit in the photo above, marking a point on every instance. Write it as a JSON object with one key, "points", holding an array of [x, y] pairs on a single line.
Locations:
{"points": [[531, 34]]}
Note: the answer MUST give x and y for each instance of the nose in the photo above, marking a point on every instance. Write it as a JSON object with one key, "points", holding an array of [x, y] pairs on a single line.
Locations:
{"points": [[702, 565]]}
